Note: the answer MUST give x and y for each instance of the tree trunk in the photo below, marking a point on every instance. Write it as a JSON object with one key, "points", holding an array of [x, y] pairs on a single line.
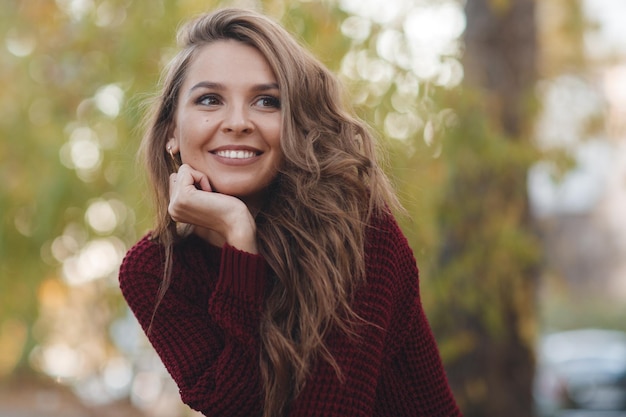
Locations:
{"points": [[501, 57], [489, 257]]}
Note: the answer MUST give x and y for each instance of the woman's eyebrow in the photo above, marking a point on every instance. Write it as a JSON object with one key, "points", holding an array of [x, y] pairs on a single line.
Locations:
{"points": [[265, 87], [220, 87], [208, 85]]}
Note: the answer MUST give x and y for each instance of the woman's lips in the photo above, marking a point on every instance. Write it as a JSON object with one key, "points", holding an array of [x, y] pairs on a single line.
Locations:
{"points": [[235, 154]]}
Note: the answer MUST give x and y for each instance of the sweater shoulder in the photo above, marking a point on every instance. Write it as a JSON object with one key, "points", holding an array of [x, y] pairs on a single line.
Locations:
{"points": [[385, 238], [147, 255]]}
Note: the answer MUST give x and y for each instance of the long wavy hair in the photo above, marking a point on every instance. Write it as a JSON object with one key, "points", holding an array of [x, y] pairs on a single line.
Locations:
{"points": [[311, 229]]}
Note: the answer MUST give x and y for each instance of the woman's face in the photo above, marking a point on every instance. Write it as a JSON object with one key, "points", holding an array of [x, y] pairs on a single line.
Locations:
{"points": [[228, 122]]}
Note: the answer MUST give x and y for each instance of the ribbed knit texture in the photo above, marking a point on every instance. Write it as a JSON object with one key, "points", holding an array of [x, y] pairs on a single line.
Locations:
{"points": [[206, 333]]}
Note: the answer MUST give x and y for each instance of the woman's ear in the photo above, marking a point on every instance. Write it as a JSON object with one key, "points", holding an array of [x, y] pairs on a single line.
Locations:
{"points": [[173, 143], [172, 146], [173, 149]]}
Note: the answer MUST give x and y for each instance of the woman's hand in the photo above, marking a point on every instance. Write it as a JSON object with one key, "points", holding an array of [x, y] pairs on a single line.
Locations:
{"points": [[192, 201]]}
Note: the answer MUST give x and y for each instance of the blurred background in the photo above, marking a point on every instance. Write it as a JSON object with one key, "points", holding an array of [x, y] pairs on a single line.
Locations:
{"points": [[503, 123]]}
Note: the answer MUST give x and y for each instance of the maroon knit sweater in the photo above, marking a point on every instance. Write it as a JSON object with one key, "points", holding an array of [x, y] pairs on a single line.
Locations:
{"points": [[206, 332]]}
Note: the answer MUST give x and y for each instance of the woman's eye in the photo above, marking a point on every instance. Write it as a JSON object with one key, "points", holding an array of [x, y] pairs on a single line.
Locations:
{"points": [[208, 100], [268, 101]]}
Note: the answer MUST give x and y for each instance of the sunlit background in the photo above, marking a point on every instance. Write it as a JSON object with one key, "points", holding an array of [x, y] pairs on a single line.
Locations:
{"points": [[75, 75]]}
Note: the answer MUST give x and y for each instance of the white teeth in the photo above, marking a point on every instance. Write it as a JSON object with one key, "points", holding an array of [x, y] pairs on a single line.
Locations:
{"points": [[235, 154]]}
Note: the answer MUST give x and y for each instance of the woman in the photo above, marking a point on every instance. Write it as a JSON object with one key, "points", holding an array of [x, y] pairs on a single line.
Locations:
{"points": [[276, 281]]}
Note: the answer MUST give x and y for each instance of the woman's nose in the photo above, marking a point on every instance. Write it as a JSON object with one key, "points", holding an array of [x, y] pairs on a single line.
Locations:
{"points": [[237, 121]]}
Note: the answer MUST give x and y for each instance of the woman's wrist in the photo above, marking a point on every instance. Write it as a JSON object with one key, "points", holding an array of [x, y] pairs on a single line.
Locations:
{"points": [[241, 233]]}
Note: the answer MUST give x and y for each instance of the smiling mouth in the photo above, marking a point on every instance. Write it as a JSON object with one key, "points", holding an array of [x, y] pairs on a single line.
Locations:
{"points": [[236, 154]]}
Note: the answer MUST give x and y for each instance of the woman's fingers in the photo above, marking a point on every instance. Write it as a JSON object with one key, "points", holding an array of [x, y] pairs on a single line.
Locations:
{"points": [[192, 201], [182, 189], [187, 176], [202, 182]]}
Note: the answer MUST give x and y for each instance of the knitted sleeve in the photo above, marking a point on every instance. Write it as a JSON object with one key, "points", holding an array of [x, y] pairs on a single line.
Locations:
{"points": [[206, 328], [413, 382], [392, 367]]}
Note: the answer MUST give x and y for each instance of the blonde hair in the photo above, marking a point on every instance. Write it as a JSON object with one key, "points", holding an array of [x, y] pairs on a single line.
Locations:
{"points": [[311, 230]]}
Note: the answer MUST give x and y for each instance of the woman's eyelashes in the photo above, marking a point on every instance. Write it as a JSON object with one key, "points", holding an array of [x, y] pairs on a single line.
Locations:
{"points": [[209, 100], [216, 100], [268, 101]]}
